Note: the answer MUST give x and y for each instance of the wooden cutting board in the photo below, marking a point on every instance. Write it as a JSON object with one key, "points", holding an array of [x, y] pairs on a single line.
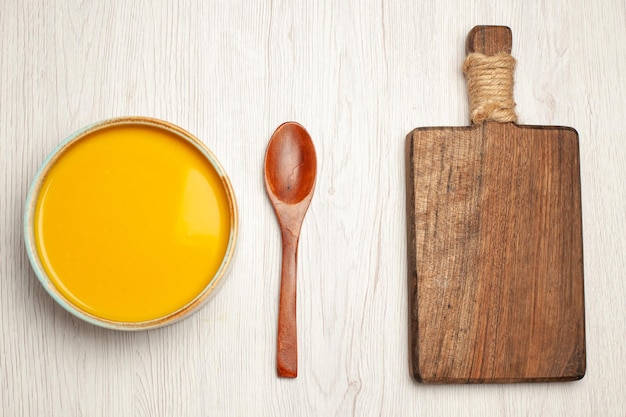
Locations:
{"points": [[495, 264]]}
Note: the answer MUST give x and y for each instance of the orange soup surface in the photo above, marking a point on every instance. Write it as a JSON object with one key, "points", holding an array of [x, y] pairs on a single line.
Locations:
{"points": [[132, 223]]}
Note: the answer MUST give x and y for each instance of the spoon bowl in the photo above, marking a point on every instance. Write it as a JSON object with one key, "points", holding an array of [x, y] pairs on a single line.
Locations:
{"points": [[290, 164], [290, 172]]}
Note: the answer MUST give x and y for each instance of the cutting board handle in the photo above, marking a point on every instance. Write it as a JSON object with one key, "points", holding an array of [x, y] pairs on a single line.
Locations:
{"points": [[489, 40], [489, 70]]}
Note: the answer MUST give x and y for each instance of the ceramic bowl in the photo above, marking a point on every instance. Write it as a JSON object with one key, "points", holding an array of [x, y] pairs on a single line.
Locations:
{"points": [[34, 255]]}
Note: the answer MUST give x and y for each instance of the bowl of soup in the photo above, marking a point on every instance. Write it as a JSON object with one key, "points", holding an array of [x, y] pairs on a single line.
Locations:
{"points": [[131, 223]]}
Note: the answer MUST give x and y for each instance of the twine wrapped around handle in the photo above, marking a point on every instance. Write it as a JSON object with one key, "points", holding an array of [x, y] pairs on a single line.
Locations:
{"points": [[490, 87]]}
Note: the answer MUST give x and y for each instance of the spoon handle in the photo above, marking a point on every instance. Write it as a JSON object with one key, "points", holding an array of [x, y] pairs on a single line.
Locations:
{"points": [[287, 346]]}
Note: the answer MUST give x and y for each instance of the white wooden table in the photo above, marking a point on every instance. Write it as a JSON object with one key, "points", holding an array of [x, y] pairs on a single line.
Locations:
{"points": [[359, 76]]}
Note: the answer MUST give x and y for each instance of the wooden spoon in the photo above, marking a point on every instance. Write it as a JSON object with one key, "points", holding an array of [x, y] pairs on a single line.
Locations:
{"points": [[290, 170]]}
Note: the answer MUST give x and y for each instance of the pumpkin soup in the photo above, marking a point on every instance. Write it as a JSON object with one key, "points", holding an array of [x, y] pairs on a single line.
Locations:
{"points": [[132, 222]]}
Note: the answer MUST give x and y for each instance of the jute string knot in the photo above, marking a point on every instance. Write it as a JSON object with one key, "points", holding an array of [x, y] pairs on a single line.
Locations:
{"points": [[490, 87]]}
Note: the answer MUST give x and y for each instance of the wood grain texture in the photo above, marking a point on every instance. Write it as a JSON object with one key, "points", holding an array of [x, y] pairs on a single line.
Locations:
{"points": [[496, 266], [489, 40], [359, 75]]}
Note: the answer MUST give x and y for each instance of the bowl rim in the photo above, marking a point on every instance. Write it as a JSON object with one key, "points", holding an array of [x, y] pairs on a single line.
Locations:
{"points": [[31, 205]]}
